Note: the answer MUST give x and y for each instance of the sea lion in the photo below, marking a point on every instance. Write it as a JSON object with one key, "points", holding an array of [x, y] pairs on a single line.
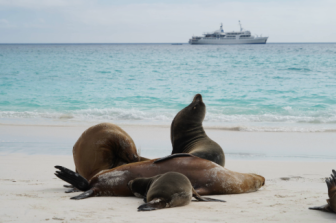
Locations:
{"points": [[331, 206], [167, 190], [205, 176], [103, 146], [188, 136]]}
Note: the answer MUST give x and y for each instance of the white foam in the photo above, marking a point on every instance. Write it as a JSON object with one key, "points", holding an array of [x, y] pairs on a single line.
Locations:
{"points": [[292, 122]]}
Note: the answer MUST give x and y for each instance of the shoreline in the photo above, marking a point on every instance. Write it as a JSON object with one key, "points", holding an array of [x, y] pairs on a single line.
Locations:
{"points": [[154, 141], [261, 127]]}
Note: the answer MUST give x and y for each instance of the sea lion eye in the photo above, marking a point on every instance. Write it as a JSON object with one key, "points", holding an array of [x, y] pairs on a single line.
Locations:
{"points": [[195, 107]]}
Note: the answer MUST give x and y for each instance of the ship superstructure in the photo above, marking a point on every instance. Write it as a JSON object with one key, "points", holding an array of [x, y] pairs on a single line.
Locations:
{"points": [[221, 37]]}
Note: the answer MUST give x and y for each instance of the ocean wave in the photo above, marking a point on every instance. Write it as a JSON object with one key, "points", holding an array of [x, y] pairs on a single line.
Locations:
{"points": [[91, 115], [310, 118], [310, 122], [168, 115], [251, 128]]}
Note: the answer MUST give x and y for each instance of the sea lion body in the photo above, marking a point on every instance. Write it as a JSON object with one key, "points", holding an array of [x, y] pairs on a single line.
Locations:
{"points": [[331, 202], [206, 177], [103, 146], [188, 136], [162, 191], [167, 190]]}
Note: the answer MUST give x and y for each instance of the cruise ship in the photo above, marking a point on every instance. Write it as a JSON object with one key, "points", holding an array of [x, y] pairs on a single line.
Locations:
{"points": [[220, 37]]}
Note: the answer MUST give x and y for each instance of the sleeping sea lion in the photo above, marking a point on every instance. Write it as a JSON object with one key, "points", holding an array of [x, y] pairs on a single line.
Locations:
{"points": [[188, 136], [103, 146], [331, 206], [167, 190], [205, 176]]}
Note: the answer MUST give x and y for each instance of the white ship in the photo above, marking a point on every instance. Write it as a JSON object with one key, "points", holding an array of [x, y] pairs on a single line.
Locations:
{"points": [[221, 37]]}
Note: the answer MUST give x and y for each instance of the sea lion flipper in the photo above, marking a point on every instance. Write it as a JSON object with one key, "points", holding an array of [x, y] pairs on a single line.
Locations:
{"points": [[143, 159], [72, 178], [153, 205], [172, 156], [84, 195], [145, 197], [68, 186], [206, 199], [72, 190], [321, 208]]}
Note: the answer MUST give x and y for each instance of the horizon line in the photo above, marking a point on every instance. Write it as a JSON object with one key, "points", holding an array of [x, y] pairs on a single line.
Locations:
{"points": [[163, 43]]}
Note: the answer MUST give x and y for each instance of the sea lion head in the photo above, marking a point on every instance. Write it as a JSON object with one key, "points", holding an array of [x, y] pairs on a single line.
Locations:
{"points": [[140, 186], [194, 113], [260, 181], [128, 151], [130, 157]]}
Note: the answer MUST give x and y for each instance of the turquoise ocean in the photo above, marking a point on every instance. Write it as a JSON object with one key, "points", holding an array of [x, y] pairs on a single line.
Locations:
{"points": [[263, 88]]}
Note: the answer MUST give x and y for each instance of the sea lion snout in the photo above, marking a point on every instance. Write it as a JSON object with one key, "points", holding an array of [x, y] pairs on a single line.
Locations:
{"points": [[198, 98]]}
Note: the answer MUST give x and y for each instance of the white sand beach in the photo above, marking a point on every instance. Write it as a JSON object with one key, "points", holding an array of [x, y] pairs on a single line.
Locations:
{"points": [[29, 191]]}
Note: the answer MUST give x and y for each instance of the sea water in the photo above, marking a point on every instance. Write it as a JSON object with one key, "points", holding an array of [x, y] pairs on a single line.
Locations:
{"points": [[265, 88]]}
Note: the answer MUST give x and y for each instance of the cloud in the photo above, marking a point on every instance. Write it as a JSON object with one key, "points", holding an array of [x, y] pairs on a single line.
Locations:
{"points": [[38, 4], [163, 21]]}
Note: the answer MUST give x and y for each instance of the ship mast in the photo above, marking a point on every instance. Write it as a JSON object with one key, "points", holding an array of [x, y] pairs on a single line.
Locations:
{"points": [[241, 29], [221, 28]]}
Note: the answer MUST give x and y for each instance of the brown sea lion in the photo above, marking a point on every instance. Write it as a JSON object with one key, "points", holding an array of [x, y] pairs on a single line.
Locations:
{"points": [[166, 190], [188, 136], [103, 146], [205, 176], [331, 206]]}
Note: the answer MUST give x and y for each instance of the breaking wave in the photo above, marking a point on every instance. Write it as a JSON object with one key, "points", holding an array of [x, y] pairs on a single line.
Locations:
{"points": [[313, 122]]}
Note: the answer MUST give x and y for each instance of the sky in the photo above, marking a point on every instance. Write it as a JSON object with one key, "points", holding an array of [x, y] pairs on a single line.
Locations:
{"points": [[163, 21]]}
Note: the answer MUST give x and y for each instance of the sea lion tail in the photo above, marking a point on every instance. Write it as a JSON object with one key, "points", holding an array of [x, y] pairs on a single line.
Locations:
{"points": [[84, 195], [72, 178], [153, 205]]}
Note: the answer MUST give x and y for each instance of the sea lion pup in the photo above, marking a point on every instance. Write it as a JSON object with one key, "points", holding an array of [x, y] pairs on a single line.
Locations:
{"points": [[206, 177], [103, 146], [331, 206], [167, 190], [188, 136]]}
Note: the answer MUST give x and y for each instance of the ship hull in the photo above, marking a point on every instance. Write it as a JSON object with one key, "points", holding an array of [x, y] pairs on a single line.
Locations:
{"points": [[258, 40]]}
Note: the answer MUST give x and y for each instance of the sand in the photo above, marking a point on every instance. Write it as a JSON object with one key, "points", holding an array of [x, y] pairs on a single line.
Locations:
{"points": [[29, 191], [154, 141]]}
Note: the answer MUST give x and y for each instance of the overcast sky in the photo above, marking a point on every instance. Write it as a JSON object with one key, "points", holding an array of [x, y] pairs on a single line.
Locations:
{"points": [[163, 21]]}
